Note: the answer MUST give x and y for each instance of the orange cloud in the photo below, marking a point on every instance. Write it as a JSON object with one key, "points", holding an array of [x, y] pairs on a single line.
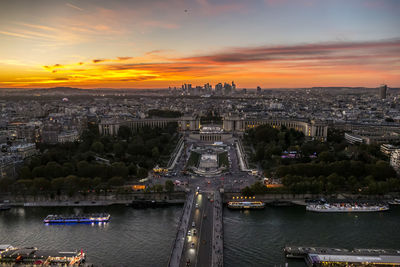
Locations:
{"points": [[328, 64]]}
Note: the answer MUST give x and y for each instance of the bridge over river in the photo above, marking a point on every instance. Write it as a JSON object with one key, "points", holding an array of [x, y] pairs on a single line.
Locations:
{"points": [[199, 239]]}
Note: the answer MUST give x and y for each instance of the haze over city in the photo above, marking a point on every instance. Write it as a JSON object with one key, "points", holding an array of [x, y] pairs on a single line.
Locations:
{"points": [[157, 44]]}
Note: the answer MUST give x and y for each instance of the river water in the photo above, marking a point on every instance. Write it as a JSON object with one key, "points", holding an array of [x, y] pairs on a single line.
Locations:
{"points": [[131, 238], [257, 237], [252, 238]]}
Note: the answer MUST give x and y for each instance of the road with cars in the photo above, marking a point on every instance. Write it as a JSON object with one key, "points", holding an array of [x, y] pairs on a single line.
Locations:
{"points": [[197, 245], [203, 240]]}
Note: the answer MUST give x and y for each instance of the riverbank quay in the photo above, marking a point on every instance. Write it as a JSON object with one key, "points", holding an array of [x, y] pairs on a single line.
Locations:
{"points": [[46, 200], [303, 199]]}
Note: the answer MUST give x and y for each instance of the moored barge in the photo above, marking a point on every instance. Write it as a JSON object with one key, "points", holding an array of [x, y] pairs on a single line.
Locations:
{"points": [[31, 256], [341, 207], [85, 218], [319, 256]]}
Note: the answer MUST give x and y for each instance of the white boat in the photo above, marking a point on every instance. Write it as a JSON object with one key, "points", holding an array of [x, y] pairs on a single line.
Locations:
{"points": [[246, 205], [395, 201], [339, 207], [4, 206]]}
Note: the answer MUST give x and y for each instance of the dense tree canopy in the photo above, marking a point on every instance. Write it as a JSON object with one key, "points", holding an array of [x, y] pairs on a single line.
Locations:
{"points": [[96, 162], [320, 167]]}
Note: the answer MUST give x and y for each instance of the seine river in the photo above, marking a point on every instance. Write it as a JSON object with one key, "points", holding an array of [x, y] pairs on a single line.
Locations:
{"points": [[252, 238], [256, 238]]}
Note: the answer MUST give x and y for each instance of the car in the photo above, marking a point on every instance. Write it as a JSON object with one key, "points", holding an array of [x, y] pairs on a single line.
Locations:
{"points": [[194, 231], [189, 233], [188, 262], [193, 224], [197, 206], [192, 245]]}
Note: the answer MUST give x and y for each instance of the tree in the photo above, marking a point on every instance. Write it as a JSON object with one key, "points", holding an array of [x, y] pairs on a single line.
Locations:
{"points": [[39, 171], [68, 169], [326, 156], [53, 169], [57, 184], [142, 173], [24, 184], [41, 184], [97, 147], [116, 181], [5, 184], [124, 132], [136, 148], [158, 188], [71, 183], [118, 149], [25, 173], [34, 162], [155, 153], [119, 169], [83, 169], [258, 188], [169, 186], [85, 183], [96, 181]]}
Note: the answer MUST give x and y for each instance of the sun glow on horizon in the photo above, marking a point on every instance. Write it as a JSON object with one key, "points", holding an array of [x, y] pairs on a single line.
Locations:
{"points": [[94, 44]]}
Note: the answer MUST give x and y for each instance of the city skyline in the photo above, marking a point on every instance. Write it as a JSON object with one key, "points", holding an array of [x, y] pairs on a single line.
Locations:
{"points": [[157, 44]]}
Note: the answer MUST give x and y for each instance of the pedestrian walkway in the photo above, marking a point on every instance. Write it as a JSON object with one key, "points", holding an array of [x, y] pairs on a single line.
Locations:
{"points": [[218, 234], [177, 249]]}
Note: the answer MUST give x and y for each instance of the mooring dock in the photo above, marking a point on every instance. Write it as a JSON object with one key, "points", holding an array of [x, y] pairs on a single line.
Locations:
{"points": [[320, 256]]}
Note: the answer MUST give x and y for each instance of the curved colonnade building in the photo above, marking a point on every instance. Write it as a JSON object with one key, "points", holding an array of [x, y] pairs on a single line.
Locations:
{"points": [[232, 124]]}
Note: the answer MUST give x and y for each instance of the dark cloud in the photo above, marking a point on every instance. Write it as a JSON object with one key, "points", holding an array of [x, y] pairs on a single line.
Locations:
{"points": [[164, 67], [99, 60], [53, 66], [303, 52], [124, 58]]}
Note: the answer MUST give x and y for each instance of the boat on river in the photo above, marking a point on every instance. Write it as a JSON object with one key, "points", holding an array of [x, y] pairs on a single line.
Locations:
{"points": [[395, 201], [346, 207], [4, 206], [85, 218], [246, 205], [32, 256]]}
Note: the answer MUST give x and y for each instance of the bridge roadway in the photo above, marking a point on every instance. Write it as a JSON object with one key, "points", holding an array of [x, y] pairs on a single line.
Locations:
{"points": [[200, 231]]}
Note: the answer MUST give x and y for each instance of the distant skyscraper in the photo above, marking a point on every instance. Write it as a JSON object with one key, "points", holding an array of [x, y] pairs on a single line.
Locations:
{"points": [[382, 91], [227, 89], [258, 90], [218, 89]]}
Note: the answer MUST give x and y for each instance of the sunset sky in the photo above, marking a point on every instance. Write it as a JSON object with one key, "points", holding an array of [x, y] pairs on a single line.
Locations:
{"points": [[161, 43]]}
